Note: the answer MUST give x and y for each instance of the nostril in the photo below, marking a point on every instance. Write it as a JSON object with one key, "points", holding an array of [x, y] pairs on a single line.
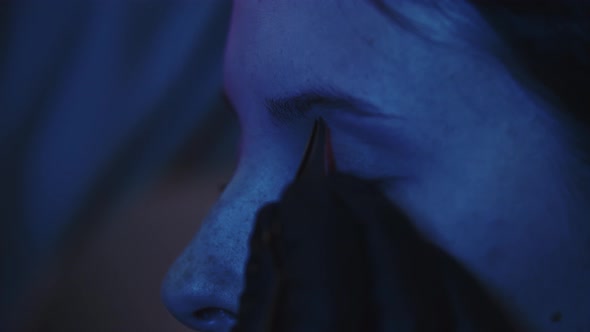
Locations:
{"points": [[213, 319], [211, 314], [200, 305]]}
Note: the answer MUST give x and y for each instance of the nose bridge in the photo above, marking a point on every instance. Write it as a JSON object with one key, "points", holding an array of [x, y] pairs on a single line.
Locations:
{"points": [[209, 273]]}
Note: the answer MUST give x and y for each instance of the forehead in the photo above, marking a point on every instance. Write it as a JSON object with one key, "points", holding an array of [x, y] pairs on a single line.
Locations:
{"points": [[278, 48], [280, 45]]}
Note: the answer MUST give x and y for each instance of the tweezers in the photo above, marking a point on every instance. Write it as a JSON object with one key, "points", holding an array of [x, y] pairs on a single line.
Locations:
{"points": [[318, 158]]}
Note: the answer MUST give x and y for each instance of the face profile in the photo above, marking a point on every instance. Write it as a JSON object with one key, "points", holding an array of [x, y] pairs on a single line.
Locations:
{"points": [[475, 158]]}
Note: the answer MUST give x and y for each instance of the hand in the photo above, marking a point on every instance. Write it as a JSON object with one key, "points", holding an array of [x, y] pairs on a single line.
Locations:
{"points": [[335, 255]]}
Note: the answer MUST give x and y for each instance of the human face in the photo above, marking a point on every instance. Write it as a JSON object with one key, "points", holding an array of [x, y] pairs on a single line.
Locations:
{"points": [[452, 139]]}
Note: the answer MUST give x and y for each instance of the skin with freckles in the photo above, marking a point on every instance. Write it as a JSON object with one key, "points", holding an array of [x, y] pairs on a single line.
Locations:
{"points": [[475, 159]]}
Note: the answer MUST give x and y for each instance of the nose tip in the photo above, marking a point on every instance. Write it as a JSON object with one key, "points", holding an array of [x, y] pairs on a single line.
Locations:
{"points": [[212, 319], [200, 312]]}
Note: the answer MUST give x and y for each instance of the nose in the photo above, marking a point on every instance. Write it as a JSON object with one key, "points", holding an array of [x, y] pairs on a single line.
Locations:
{"points": [[202, 292], [202, 312], [202, 288]]}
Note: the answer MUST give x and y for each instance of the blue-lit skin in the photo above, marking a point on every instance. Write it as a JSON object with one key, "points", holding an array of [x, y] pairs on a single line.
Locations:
{"points": [[473, 157]]}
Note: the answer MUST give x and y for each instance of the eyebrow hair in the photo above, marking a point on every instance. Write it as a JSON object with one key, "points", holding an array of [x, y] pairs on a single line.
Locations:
{"points": [[293, 107], [290, 108]]}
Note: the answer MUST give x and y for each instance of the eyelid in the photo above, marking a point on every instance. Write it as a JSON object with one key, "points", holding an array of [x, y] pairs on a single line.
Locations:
{"points": [[292, 107]]}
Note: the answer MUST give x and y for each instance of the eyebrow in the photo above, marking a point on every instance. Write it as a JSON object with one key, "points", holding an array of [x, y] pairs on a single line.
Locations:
{"points": [[289, 108], [293, 107]]}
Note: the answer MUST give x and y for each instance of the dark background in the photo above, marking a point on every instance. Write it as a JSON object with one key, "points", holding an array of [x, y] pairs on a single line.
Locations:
{"points": [[113, 145]]}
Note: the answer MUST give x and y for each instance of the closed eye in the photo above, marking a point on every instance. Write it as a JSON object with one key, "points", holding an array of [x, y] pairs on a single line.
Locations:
{"points": [[293, 107]]}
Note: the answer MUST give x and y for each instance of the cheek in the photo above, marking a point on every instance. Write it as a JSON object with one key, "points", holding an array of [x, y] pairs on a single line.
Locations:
{"points": [[371, 148], [438, 178]]}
